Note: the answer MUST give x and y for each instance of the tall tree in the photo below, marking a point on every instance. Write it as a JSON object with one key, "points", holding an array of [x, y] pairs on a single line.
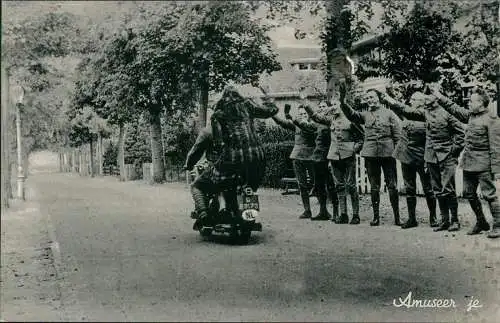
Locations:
{"points": [[221, 43]]}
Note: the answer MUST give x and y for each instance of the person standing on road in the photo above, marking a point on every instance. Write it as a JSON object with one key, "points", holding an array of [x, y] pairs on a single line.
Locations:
{"points": [[443, 144], [301, 156], [410, 152], [346, 142], [480, 159], [324, 185], [382, 133]]}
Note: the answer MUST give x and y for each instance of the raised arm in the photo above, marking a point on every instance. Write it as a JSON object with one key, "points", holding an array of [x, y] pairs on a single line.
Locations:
{"points": [[200, 146], [317, 117], [287, 124], [395, 128], [349, 112], [305, 125], [454, 109], [458, 130], [402, 109], [262, 111]]}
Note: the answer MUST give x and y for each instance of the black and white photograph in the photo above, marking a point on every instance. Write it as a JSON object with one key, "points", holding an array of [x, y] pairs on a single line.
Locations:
{"points": [[250, 161]]}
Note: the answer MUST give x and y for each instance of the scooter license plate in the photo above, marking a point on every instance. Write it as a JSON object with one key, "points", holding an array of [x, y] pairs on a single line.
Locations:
{"points": [[250, 202]]}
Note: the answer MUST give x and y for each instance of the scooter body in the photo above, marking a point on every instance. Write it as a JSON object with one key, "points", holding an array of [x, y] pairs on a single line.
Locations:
{"points": [[238, 226]]}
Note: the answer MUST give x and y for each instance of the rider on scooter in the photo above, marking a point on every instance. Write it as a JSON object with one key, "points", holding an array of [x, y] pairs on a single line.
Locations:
{"points": [[242, 156], [203, 186]]}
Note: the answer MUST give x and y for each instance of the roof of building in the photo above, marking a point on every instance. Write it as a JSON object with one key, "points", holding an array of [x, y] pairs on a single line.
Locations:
{"points": [[288, 82]]}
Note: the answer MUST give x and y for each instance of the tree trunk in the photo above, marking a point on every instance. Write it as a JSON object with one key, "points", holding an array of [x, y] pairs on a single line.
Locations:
{"points": [[157, 157], [61, 162], [80, 161], [100, 153], [73, 157], [5, 139], [338, 40], [121, 151], [203, 101], [92, 159]]}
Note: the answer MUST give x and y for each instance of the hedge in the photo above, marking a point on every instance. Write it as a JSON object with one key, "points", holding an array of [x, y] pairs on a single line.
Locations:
{"points": [[278, 163]]}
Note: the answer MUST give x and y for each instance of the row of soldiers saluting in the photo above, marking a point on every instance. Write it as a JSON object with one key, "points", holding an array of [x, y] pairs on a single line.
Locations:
{"points": [[427, 142]]}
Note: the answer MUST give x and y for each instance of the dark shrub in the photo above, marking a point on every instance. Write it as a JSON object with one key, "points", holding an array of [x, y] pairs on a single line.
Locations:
{"points": [[278, 165]]}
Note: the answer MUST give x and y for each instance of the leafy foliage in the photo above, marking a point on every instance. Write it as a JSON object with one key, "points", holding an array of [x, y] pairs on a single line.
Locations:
{"points": [[86, 125], [137, 145], [277, 162]]}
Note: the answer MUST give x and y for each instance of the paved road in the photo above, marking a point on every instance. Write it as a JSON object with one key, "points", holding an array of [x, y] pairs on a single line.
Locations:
{"points": [[127, 252]]}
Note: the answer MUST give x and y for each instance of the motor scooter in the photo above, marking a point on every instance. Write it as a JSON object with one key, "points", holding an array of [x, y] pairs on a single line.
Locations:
{"points": [[238, 226]]}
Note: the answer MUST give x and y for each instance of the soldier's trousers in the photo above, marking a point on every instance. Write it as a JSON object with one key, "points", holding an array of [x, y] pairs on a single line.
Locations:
{"points": [[443, 184], [374, 168], [486, 182], [323, 183], [344, 176], [443, 177], [410, 172], [302, 169]]}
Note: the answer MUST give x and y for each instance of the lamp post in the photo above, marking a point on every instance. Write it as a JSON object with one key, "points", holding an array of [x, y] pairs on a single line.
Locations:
{"points": [[19, 97]]}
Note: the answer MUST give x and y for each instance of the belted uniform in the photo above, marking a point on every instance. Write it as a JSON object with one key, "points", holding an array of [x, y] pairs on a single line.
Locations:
{"points": [[382, 133], [346, 141], [480, 160], [301, 155], [444, 142]]}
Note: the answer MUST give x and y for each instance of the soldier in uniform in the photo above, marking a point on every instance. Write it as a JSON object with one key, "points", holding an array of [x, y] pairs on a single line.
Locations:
{"points": [[323, 180], [305, 134], [480, 158], [410, 152], [346, 141], [382, 133], [444, 142]]}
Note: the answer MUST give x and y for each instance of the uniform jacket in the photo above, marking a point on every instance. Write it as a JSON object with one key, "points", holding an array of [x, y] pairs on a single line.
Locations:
{"points": [[444, 133], [322, 140], [411, 146], [305, 135], [346, 137], [382, 130], [481, 141]]}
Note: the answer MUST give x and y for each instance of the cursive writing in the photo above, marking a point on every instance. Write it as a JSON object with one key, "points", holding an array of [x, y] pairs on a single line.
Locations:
{"points": [[410, 302], [473, 303]]}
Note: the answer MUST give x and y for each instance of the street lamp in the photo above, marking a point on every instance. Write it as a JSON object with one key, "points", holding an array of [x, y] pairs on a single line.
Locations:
{"points": [[18, 92]]}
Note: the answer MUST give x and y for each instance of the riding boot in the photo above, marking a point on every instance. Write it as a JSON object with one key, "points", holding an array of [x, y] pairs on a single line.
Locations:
{"points": [[445, 214], [323, 214], [431, 204], [453, 205], [411, 201], [201, 207], [481, 223], [355, 207], [394, 199], [306, 202], [231, 199], [495, 213], [375, 197]]}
